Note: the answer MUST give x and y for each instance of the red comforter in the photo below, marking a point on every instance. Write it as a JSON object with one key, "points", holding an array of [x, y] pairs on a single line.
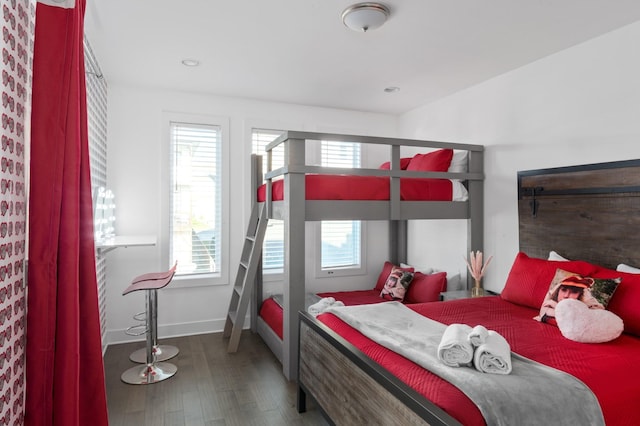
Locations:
{"points": [[610, 369], [344, 187]]}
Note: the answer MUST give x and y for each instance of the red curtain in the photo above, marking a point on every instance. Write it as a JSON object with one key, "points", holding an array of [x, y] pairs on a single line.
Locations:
{"points": [[64, 368]]}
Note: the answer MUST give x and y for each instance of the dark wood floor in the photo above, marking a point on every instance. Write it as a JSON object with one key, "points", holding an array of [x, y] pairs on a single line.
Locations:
{"points": [[211, 387]]}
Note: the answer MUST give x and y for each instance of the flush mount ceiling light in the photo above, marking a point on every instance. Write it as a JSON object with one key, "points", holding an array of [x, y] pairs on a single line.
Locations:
{"points": [[190, 62], [365, 16]]}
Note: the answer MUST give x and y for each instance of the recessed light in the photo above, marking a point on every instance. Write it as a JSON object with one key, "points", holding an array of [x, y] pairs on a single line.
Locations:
{"points": [[190, 62], [391, 89]]}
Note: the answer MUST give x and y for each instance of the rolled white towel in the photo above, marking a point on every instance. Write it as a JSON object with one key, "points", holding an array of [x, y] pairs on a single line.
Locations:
{"points": [[454, 349], [321, 306], [494, 355], [478, 335]]}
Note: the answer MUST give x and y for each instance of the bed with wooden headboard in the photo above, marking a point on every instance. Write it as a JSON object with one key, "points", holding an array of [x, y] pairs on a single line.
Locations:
{"points": [[589, 215]]}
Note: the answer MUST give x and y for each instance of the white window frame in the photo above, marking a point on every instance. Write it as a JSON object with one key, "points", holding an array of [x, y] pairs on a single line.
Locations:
{"points": [[346, 271], [211, 279], [273, 274]]}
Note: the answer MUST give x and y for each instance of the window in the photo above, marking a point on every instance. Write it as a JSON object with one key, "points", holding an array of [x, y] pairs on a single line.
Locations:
{"points": [[195, 237], [273, 246], [341, 239]]}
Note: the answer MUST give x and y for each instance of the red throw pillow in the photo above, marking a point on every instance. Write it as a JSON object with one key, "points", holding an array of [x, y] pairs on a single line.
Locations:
{"points": [[530, 277], [625, 302], [386, 270], [436, 161], [426, 288], [404, 162]]}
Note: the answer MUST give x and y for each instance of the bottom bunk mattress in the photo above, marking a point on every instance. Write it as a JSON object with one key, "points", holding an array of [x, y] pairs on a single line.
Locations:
{"points": [[271, 308], [609, 369]]}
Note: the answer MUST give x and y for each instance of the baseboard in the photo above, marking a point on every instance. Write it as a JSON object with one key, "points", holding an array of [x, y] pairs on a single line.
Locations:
{"points": [[114, 337]]}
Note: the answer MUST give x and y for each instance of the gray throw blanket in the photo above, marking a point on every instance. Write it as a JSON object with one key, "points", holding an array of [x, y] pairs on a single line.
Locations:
{"points": [[533, 394]]}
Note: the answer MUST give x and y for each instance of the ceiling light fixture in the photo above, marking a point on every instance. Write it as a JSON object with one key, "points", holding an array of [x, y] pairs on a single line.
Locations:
{"points": [[365, 16], [190, 62]]}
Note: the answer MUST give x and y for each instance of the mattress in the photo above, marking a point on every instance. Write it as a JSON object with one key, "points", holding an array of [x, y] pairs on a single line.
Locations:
{"points": [[608, 369], [345, 187], [271, 310]]}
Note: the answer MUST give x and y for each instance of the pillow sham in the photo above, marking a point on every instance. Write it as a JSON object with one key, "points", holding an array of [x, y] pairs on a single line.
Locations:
{"points": [[384, 274], [553, 255], [436, 161], [529, 278], [396, 285], [626, 268], [626, 300], [404, 162], [426, 287], [595, 293], [459, 162]]}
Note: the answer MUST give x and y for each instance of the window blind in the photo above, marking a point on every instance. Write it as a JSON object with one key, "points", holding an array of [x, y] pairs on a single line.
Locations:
{"points": [[340, 238], [273, 246], [196, 198]]}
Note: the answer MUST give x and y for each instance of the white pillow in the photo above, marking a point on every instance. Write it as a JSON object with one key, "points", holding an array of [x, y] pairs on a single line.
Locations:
{"points": [[423, 269], [628, 269], [459, 162], [555, 256], [579, 323]]}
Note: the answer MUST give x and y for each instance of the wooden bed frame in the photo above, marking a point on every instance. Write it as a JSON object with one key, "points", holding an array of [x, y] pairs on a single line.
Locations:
{"points": [[295, 211], [583, 212]]}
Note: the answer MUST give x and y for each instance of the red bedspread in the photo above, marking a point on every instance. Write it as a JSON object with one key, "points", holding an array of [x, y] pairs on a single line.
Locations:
{"points": [[610, 370], [344, 187], [271, 312]]}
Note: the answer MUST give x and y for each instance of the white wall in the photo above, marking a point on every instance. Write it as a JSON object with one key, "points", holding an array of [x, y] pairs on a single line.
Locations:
{"points": [[135, 171], [579, 106]]}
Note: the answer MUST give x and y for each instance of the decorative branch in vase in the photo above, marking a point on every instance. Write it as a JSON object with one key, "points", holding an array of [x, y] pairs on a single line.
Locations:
{"points": [[476, 269]]}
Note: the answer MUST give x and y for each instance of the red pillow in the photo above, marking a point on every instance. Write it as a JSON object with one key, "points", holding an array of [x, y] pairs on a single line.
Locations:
{"points": [[530, 277], [386, 270], [436, 161], [426, 288], [625, 302], [404, 162]]}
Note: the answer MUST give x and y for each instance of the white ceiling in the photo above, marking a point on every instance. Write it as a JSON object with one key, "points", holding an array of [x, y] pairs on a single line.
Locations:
{"points": [[298, 51]]}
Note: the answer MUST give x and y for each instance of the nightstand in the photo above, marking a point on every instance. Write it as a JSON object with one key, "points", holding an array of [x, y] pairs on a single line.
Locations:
{"points": [[462, 294]]}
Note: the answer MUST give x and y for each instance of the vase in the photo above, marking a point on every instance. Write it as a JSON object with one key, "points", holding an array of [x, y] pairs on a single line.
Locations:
{"points": [[477, 290]]}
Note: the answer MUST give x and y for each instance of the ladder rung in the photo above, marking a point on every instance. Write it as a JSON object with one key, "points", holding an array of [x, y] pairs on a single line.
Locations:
{"points": [[248, 265]]}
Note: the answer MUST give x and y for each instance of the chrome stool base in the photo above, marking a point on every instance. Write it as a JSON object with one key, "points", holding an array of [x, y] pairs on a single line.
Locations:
{"points": [[149, 373], [160, 353]]}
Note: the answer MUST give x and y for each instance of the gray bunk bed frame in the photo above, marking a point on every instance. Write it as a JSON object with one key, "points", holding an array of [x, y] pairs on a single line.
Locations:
{"points": [[295, 210]]}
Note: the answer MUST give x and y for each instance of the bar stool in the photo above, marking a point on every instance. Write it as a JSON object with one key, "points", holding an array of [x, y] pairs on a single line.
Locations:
{"points": [[161, 352], [153, 369]]}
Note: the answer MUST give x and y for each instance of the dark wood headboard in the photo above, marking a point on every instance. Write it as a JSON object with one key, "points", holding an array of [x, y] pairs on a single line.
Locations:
{"points": [[589, 212]]}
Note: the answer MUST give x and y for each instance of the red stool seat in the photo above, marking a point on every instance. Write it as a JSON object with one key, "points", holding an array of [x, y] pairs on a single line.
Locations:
{"points": [[153, 355]]}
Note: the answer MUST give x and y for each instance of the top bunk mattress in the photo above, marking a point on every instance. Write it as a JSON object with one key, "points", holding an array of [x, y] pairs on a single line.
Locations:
{"points": [[375, 188]]}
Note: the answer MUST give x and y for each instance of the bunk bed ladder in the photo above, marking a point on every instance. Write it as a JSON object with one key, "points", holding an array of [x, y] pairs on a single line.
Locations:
{"points": [[246, 276]]}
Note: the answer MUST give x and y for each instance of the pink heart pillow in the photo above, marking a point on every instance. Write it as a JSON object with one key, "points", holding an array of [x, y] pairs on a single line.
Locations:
{"points": [[579, 323]]}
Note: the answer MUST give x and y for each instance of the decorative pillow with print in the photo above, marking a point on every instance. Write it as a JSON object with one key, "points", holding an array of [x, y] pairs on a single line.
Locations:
{"points": [[396, 285], [593, 292]]}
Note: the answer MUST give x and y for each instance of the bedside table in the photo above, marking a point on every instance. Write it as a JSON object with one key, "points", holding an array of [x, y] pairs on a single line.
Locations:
{"points": [[462, 294]]}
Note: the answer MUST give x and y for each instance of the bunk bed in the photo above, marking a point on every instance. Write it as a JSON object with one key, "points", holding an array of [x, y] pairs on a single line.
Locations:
{"points": [[585, 213], [290, 196]]}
